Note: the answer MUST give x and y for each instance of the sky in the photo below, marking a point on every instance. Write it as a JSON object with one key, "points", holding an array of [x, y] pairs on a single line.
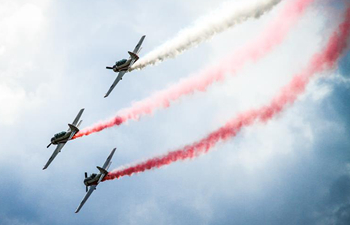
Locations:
{"points": [[293, 170]]}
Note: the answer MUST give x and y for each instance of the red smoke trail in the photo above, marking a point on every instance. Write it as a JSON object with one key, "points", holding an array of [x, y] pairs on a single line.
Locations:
{"points": [[320, 62], [271, 37]]}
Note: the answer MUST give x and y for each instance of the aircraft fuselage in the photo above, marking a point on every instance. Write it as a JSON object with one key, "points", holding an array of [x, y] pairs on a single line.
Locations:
{"points": [[61, 137], [92, 179], [122, 67]]}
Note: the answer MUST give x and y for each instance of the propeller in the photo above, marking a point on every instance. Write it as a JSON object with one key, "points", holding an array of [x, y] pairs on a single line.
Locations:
{"points": [[48, 145], [86, 187], [108, 67]]}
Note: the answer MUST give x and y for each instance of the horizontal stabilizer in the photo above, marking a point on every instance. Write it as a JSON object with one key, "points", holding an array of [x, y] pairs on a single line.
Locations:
{"points": [[138, 46], [133, 56], [77, 118], [79, 123]]}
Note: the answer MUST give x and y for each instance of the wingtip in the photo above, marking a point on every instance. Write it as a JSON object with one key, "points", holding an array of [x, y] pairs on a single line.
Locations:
{"points": [[77, 209], [45, 167]]}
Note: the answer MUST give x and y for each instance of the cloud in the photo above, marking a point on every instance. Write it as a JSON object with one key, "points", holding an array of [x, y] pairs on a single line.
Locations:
{"points": [[344, 66], [280, 173], [22, 27]]}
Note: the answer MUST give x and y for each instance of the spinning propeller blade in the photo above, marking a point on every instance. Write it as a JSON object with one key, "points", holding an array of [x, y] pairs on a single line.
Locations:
{"points": [[86, 187]]}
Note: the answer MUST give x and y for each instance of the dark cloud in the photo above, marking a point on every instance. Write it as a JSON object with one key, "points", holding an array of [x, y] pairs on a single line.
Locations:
{"points": [[337, 152], [16, 204], [343, 215], [309, 187], [316, 188], [344, 66]]}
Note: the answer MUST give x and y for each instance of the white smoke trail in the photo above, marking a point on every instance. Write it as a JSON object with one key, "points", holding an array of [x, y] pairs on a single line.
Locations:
{"points": [[228, 15]]}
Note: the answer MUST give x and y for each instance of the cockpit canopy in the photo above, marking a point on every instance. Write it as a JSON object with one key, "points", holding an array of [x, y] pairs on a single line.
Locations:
{"points": [[60, 134], [121, 62], [92, 176]]}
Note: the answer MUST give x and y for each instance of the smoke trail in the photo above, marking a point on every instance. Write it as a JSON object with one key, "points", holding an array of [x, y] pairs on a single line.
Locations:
{"points": [[265, 42], [322, 61], [227, 16]]}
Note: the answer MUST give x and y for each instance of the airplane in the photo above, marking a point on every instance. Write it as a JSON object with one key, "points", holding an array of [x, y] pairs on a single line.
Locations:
{"points": [[94, 179], [122, 66], [60, 139]]}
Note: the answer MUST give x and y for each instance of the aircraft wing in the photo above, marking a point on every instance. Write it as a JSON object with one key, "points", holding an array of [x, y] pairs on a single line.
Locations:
{"points": [[54, 154], [116, 81], [92, 188], [138, 46], [78, 117], [108, 160]]}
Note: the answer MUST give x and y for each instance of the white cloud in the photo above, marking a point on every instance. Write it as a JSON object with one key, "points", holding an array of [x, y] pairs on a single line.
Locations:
{"points": [[23, 26], [22, 22], [53, 64], [11, 101]]}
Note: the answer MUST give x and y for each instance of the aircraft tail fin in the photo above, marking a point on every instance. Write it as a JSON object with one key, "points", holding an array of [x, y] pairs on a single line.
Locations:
{"points": [[73, 128], [103, 171], [133, 56]]}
